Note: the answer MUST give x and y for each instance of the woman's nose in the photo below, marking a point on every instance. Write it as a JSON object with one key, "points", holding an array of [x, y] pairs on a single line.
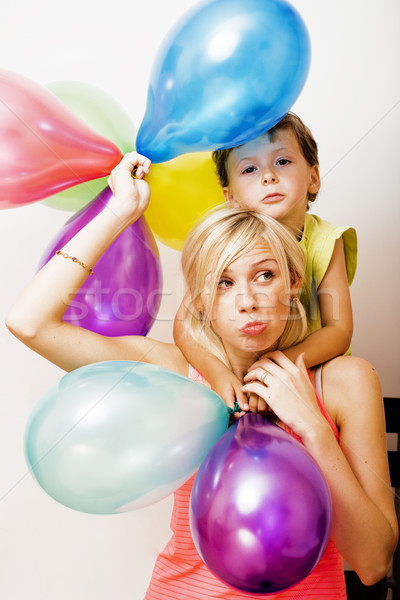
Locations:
{"points": [[246, 301]]}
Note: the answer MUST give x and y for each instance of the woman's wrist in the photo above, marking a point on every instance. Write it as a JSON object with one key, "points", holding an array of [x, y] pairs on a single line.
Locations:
{"points": [[92, 241], [121, 214], [317, 433]]}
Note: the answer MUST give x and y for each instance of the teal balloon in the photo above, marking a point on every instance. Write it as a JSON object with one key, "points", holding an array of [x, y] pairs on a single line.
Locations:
{"points": [[228, 71], [119, 435]]}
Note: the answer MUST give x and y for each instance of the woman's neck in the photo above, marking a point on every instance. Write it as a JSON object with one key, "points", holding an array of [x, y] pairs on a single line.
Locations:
{"points": [[241, 364]]}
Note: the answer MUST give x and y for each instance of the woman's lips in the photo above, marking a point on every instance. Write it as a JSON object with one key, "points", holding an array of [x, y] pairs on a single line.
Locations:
{"points": [[253, 328]]}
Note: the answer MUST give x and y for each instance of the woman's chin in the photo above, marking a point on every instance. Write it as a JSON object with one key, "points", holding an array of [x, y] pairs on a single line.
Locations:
{"points": [[256, 345]]}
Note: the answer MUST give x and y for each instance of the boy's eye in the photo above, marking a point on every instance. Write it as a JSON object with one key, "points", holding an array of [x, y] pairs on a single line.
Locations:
{"points": [[249, 170], [224, 283], [283, 161]]}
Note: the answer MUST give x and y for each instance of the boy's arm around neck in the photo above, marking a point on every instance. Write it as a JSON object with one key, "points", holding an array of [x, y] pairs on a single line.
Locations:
{"points": [[221, 379], [334, 337]]}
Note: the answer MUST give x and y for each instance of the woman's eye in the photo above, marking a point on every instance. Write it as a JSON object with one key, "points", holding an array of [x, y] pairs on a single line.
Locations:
{"points": [[283, 161], [224, 283], [266, 276]]}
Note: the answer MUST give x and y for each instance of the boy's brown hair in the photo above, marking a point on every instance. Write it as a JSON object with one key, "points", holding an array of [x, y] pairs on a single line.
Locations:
{"points": [[290, 121]]}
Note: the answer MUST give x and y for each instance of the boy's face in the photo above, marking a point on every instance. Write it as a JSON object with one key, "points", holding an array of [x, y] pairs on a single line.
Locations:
{"points": [[272, 177]]}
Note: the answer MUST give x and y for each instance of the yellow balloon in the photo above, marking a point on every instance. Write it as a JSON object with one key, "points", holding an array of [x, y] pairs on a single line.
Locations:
{"points": [[182, 190]]}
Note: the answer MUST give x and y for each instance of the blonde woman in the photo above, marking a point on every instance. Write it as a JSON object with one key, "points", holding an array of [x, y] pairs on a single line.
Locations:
{"points": [[243, 271]]}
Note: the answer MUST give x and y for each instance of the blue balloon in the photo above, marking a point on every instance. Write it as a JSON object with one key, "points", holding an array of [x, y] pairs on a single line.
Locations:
{"points": [[228, 71], [120, 435]]}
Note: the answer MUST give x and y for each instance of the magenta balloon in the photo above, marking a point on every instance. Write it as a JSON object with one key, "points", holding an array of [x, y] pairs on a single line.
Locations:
{"points": [[123, 295], [260, 509]]}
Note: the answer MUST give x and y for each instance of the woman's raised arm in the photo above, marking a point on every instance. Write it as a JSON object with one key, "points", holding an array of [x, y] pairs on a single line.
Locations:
{"points": [[37, 316]]}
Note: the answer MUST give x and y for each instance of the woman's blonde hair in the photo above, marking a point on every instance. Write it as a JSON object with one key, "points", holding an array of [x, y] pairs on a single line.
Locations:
{"points": [[215, 242]]}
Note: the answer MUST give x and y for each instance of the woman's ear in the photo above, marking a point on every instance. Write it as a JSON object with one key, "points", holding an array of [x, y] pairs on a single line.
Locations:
{"points": [[315, 181], [294, 284], [197, 303]]}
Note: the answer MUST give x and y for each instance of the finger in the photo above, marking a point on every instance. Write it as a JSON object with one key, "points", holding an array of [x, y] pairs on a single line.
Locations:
{"points": [[300, 363], [256, 389], [242, 399], [254, 366], [279, 365], [133, 161], [235, 416], [142, 162], [262, 407], [253, 402], [260, 361], [257, 374], [229, 399], [280, 359]]}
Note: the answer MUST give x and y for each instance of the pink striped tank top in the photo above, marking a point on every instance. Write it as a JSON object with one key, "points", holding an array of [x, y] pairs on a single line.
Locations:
{"points": [[180, 574]]}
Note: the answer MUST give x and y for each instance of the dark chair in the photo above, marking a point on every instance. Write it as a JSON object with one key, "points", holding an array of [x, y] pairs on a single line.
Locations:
{"points": [[380, 591]]}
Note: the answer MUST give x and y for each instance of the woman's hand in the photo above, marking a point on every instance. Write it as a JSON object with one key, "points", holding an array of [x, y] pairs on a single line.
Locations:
{"points": [[287, 391], [131, 192]]}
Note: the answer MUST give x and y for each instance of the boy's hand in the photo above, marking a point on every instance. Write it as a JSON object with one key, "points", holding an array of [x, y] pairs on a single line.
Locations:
{"points": [[229, 388], [258, 405]]}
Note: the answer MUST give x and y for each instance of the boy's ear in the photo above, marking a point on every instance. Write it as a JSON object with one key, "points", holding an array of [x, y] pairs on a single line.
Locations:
{"points": [[315, 181], [228, 196]]}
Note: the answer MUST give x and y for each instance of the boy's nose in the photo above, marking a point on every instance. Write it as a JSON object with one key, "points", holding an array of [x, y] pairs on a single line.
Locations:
{"points": [[270, 178], [269, 175]]}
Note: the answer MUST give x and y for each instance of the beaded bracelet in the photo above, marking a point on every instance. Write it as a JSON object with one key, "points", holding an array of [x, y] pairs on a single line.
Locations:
{"points": [[76, 260]]}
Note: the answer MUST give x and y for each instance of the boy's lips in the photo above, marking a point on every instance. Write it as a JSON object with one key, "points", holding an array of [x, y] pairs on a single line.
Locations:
{"points": [[272, 198], [254, 328]]}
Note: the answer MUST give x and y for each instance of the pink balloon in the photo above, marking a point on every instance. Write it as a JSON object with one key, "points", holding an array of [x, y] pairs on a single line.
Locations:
{"points": [[123, 295], [44, 147]]}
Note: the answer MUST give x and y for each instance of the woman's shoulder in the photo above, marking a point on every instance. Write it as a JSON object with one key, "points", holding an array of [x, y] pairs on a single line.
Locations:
{"points": [[341, 369], [351, 386]]}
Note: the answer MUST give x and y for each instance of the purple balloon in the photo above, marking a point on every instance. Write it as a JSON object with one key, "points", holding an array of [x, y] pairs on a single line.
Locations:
{"points": [[260, 509], [123, 295]]}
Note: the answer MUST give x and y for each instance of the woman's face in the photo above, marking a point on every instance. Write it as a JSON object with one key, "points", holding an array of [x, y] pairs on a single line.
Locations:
{"points": [[252, 304]]}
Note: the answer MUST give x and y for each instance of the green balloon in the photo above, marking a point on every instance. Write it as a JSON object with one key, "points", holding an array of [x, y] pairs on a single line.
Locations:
{"points": [[99, 111], [77, 197]]}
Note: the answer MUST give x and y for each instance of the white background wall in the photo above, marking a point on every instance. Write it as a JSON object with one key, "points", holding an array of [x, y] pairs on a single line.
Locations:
{"points": [[351, 101]]}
